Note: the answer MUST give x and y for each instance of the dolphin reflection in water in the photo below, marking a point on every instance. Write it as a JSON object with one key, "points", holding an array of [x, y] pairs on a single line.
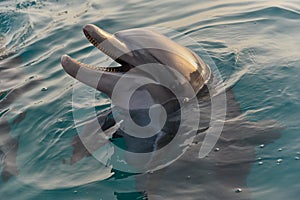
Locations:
{"points": [[11, 88], [213, 177]]}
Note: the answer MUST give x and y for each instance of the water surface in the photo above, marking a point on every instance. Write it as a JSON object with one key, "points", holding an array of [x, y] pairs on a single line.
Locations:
{"points": [[255, 45]]}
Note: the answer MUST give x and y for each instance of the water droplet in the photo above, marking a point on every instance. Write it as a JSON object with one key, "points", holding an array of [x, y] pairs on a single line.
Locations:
{"points": [[238, 190], [186, 100], [188, 177], [259, 158], [297, 158], [217, 149], [260, 163], [44, 89], [262, 146], [280, 149], [75, 191], [279, 161]]}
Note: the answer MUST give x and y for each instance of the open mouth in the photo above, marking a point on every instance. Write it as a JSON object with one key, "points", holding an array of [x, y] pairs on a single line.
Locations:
{"points": [[96, 40], [102, 40]]}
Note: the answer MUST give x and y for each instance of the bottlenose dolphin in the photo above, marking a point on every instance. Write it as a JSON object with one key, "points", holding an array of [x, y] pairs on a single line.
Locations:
{"points": [[130, 53], [222, 173]]}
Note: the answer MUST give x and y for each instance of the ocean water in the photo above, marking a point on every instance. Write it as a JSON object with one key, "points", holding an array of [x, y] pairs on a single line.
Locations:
{"points": [[254, 44]]}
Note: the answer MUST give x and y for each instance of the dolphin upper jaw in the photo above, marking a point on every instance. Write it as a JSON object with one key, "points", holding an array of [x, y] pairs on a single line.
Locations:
{"points": [[108, 44]]}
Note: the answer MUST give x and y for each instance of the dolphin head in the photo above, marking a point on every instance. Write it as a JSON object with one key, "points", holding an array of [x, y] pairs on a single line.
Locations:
{"points": [[140, 47]]}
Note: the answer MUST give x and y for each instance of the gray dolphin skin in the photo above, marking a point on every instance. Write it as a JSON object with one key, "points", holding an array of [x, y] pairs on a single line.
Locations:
{"points": [[222, 174]]}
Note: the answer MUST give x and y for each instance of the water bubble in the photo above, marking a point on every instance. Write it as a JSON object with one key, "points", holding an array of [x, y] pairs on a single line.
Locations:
{"points": [[44, 89], [280, 149], [186, 100], [75, 191], [238, 190], [279, 161], [188, 177], [298, 153], [217, 149], [259, 158], [260, 163], [297, 158], [262, 146]]}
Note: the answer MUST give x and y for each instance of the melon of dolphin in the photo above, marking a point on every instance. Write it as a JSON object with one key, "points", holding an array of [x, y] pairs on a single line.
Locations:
{"points": [[214, 177]]}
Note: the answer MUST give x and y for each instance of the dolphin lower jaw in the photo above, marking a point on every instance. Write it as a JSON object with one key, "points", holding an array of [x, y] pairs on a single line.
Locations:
{"points": [[100, 78]]}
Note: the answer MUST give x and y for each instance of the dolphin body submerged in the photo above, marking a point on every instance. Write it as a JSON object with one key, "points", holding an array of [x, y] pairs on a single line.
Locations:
{"points": [[222, 173]]}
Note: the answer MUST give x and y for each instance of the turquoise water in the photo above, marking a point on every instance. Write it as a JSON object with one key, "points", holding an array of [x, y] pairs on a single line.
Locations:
{"points": [[254, 44]]}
